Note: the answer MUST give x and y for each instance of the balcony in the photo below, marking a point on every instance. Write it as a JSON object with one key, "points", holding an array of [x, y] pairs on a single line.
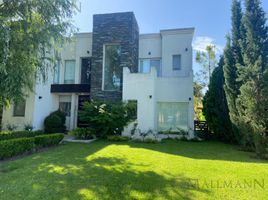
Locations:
{"points": [[70, 88]]}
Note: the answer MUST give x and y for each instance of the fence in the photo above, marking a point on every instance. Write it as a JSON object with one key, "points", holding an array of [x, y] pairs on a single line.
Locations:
{"points": [[200, 125]]}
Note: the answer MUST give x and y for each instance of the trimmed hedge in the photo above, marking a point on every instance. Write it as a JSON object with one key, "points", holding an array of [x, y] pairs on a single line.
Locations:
{"points": [[19, 134], [13, 147], [48, 140], [17, 146]]}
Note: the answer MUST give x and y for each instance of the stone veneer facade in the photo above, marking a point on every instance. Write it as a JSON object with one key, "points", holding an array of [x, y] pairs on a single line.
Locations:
{"points": [[119, 28]]}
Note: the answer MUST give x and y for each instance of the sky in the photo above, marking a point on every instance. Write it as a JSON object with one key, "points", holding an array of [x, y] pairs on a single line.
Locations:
{"points": [[210, 18]]}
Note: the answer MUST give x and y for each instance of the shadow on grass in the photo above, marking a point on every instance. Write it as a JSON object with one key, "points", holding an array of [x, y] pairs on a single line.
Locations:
{"points": [[208, 150], [113, 178], [75, 172]]}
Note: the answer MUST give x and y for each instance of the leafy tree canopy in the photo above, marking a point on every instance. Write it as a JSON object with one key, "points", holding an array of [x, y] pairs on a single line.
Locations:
{"points": [[28, 31]]}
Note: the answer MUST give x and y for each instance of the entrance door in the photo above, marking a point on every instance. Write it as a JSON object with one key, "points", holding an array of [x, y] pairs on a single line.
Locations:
{"points": [[65, 106], [85, 70], [81, 100]]}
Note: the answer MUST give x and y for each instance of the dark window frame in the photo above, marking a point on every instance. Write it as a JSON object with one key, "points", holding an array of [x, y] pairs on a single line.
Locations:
{"points": [[15, 109], [174, 67]]}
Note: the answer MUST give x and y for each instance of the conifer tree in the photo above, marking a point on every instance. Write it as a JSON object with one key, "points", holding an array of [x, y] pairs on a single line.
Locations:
{"points": [[215, 106], [232, 61], [252, 102]]}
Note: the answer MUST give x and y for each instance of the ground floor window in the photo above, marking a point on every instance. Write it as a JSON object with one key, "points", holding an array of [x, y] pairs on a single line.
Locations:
{"points": [[65, 105], [172, 116], [19, 109]]}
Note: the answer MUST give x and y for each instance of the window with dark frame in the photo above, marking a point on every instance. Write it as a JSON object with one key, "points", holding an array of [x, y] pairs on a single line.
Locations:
{"points": [[176, 62], [19, 109]]}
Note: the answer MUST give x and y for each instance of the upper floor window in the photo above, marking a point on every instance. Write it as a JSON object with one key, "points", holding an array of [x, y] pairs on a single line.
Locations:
{"points": [[147, 64], [176, 62], [69, 71], [19, 109], [112, 72], [56, 77]]}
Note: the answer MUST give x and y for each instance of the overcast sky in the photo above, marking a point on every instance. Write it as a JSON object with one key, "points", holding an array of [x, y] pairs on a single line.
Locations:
{"points": [[210, 18]]}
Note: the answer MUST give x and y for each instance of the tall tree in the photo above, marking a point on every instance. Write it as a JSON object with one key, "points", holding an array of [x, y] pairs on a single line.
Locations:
{"points": [[252, 101], [215, 106], [232, 61], [208, 62], [28, 31]]}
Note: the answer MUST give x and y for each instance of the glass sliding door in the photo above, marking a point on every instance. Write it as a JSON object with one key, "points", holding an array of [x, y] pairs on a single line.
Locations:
{"points": [[172, 116]]}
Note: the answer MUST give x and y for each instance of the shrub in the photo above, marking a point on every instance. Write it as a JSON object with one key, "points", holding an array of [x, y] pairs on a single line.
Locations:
{"points": [[106, 118], [179, 131], [55, 122], [19, 134], [150, 140], [117, 138], [28, 127], [11, 127], [48, 140], [13, 147], [83, 133]]}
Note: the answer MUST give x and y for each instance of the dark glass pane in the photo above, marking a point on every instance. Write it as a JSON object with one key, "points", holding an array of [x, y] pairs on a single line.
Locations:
{"points": [[112, 69]]}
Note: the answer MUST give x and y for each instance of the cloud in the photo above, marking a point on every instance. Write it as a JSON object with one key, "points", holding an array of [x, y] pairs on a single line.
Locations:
{"points": [[201, 42]]}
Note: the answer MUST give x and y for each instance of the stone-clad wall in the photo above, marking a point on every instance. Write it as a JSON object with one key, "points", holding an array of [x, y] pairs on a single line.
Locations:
{"points": [[119, 28]]}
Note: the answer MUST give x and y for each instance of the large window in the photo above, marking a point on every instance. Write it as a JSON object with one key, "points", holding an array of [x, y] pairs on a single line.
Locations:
{"points": [[69, 72], [19, 109], [172, 116], [112, 79], [176, 62], [56, 78], [147, 64], [65, 105]]}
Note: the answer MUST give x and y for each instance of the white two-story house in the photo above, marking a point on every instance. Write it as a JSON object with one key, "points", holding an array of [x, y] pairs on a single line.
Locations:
{"points": [[115, 62]]}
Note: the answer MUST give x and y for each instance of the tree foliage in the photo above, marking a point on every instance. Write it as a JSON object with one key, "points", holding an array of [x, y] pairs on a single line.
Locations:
{"points": [[215, 106], [106, 118], [28, 31], [252, 101], [246, 75], [208, 62]]}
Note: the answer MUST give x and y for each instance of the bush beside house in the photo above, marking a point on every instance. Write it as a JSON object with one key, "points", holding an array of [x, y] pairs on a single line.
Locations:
{"points": [[106, 118], [55, 122], [83, 133]]}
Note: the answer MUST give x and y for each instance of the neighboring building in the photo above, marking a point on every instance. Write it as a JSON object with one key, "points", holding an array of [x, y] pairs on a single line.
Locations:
{"points": [[115, 62]]}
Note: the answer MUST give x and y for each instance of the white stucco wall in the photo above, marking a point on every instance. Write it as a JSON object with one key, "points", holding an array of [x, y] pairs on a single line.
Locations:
{"points": [[44, 103], [19, 122], [148, 89], [141, 87], [173, 43], [172, 86], [150, 43]]}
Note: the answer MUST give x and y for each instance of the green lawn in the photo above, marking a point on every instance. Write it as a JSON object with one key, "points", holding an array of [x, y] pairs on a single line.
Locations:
{"points": [[105, 170]]}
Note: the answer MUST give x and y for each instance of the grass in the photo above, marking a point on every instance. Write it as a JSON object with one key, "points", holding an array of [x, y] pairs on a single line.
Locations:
{"points": [[125, 170]]}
